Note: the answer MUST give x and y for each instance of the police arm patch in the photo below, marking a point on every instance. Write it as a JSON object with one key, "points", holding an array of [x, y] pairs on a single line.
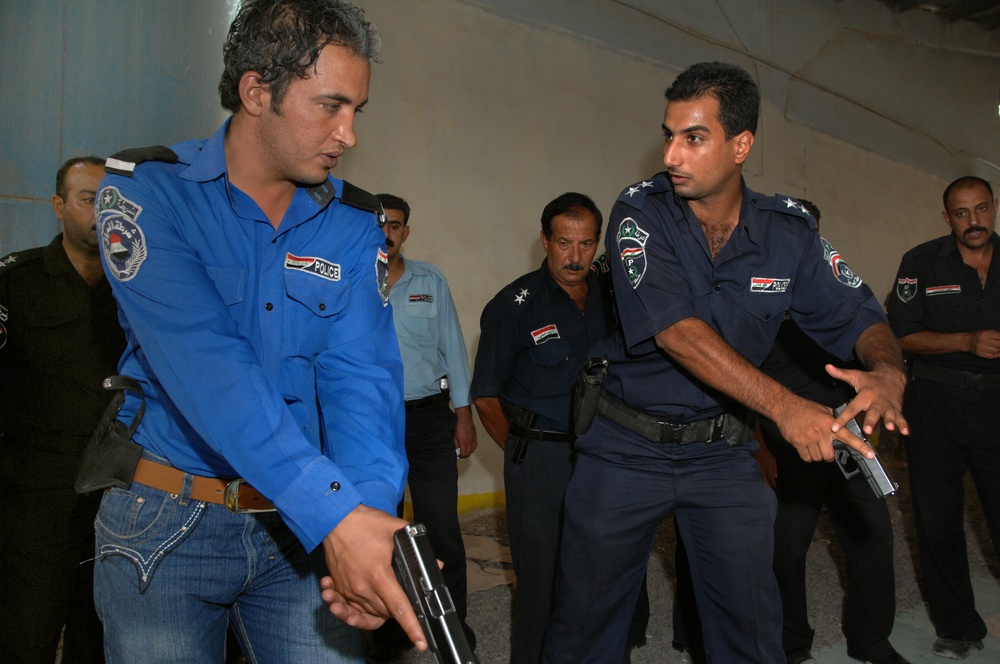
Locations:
{"points": [[841, 271], [382, 275], [122, 240], [631, 240], [906, 289]]}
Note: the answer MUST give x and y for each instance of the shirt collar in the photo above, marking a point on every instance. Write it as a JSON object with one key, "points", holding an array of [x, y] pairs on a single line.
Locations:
{"points": [[210, 163]]}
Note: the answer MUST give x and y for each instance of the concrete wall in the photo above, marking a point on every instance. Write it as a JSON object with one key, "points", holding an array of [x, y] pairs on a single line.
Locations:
{"points": [[483, 111]]}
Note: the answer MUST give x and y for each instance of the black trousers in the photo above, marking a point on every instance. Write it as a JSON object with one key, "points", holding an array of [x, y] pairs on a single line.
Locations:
{"points": [[47, 576], [953, 431], [864, 531]]}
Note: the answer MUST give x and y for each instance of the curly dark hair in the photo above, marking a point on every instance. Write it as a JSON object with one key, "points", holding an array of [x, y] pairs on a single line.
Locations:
{"points": [[739, 98], [281, 39]]}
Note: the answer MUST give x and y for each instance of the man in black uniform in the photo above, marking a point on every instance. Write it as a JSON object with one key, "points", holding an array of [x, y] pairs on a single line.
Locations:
{"points": [[704, 270], [59, 338], [535, 336], [861, 518], [946, 313]]}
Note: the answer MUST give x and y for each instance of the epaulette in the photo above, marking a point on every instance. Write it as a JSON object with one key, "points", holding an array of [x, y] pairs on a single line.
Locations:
{"points": [[124, 162], [357, 197], [784, 204], [15, 258], [635, 196], [601, 264]]}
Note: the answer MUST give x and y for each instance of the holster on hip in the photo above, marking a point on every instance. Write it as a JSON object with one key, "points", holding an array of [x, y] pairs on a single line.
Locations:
{"points": [[587, 392], [110, 457]]}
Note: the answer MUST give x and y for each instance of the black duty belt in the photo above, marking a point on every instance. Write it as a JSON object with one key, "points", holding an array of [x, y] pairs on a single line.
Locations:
{"points": [[519, 431], [727, 425], [966, 379], [432, 400]]}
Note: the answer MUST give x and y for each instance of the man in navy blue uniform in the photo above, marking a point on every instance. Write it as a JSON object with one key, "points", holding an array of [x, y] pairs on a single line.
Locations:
{"points": [[535, 336], [251, 287], [946, 313], [704, 270]]}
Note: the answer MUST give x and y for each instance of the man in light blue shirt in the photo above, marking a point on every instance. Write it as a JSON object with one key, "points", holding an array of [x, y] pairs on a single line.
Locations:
{"points": [[435, 371]]}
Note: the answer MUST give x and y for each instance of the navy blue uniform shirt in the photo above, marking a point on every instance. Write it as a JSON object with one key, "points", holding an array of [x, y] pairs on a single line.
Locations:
{"points": [[937, 292], [534, 341], [774, 262]]}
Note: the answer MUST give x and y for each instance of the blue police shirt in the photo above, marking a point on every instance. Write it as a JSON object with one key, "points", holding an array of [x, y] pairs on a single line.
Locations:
{"points": [[534, 341], [430, 337], [264, 354], [663, 272]]}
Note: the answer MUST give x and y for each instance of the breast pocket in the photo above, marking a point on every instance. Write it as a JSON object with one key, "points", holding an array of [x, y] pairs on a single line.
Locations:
{"points": [[46, 336], [421, 320], [754, 333], [231, 285], [313, 307], [555, 374]]}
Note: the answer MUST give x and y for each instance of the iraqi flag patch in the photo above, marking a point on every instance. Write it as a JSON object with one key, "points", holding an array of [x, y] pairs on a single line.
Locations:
{"points": [[543, 334], [952, 289], [768, 285]]}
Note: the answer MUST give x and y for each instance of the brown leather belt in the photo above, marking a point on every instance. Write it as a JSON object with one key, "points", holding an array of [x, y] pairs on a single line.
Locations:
{"points": [[236, 495]]}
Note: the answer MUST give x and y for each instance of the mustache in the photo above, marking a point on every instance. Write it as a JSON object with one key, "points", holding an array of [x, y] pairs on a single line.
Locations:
{"points": [[972, 229], [576, 267], [389, 243]]}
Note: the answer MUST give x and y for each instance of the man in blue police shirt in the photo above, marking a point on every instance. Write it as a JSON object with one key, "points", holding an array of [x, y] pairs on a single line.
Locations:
{"points": [[251, 287], [435, 372], [704, 270], [946, 313]]}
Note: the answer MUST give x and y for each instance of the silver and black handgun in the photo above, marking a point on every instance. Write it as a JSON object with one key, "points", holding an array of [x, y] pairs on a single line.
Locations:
{"points": [[852, 462]]}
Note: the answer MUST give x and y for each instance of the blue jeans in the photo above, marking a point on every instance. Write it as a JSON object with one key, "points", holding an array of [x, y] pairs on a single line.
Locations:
{"points": [[172, 572]]}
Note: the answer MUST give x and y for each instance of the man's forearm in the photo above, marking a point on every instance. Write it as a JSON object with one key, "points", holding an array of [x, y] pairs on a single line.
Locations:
{"points": [[934, 343], [700, 350], [877, 348], [493, 419]]}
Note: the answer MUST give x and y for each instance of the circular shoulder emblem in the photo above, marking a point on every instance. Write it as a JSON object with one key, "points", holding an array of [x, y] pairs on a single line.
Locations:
{"points": [[122, 240], [841, 271]]}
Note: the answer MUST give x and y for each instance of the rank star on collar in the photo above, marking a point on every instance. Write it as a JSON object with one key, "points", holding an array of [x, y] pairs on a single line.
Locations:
{"points": [[7, 261], [520, 297], [636, 188], [792, 203]]}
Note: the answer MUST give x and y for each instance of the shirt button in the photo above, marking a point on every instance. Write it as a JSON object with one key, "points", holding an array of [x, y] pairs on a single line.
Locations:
{"points": [[269, 306], [322, 307], [718, 287], [335, 486]]}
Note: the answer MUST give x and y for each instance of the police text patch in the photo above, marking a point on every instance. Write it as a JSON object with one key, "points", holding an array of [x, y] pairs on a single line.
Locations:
{"points": [[122, 240], [768, 285], [313, 265], [414, 297]]}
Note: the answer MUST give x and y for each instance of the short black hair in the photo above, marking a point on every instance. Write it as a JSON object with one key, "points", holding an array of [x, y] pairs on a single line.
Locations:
{"points": [[572, 205], [732, 86], [965, 181], [70, 163], [390, 202], [282, 39]]}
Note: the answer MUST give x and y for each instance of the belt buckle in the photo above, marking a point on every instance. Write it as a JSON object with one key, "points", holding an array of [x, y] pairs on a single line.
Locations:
{"points": [[232, 497]]}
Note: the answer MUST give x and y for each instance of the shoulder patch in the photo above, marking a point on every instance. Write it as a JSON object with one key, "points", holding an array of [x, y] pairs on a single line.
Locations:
{"points": [[841, 271], [122, 239], [361, 199], [124, 162], [635, 195]]}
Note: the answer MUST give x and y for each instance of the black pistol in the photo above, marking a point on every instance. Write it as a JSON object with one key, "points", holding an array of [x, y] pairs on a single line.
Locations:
{"points": [[418, 573], [852, 462]]}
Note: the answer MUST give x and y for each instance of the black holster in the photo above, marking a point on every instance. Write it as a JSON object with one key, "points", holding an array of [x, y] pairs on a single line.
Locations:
{"points": [[110, 457], [518, 420], [587, 392]]}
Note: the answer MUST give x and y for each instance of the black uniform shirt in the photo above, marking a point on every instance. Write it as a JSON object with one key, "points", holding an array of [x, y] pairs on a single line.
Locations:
{"points": [[59, 339], [534, 341], [937, 292]]}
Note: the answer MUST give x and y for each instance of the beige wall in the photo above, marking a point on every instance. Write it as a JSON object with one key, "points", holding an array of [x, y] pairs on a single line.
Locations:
{"points": [[479, 120]]}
